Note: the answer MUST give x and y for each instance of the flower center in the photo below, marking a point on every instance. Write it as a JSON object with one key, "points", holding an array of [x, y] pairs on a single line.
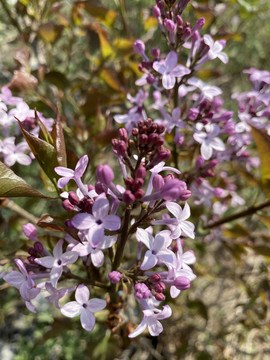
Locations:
{"points": [[99, 222], [85, 306], [59, 262]]}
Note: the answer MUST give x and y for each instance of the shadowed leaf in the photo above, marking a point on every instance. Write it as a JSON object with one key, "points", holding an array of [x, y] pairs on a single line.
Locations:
{"points": [[12, 185], [59, 141]]}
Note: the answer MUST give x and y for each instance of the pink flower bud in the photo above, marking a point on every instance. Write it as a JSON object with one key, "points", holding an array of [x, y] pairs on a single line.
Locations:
{"points": [[104, 174], [159, 287], [158, 182], [114, 277], [155, 278], [150, 79], [123, 135], [193, 114], [172, 189], [73, 198], [100, 188], [38, 247], [160, 297], [169, 25], [186, 194], [218, 192], [139, 194], [199, 162], [141, 172], [139, 47], [67, 205], [128, 197], [156, 12], [182, 283], [137, 184], [155, 52], [30, 231], [179, 20]]}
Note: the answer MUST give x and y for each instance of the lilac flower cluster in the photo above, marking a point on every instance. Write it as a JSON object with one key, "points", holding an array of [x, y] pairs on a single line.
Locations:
{"points": [[12, 148], [148, 211]]}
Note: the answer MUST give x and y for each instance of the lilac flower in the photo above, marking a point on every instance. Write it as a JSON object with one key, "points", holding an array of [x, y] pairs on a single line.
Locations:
{"points": [[83, 307], [56, 295], [150, 320], [57, 262], [96, 223], [170, 70], [209, 140], [96, 254], [22, 280], [208, 91], [158, 248], [174, 120], [75, 175], [215, 51], [15, 153], [6, 96], [180, 225]]}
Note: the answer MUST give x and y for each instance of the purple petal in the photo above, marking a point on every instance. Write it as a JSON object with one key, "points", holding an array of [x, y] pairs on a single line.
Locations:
{"points": [[96, 235], [108, 242], [168, 81], [63, 171], [23, 159], [81, 166], [61, 183], [82, 249], [100, 208], [180, 71], [165, 313], [171, 61], [58, 249], [154, 327], [112, 222], [206, 151], [14, 278], [87, 319], [30, 307], [145, 237], [47, 261], [140, 329], [95, 305], [71, 309], [20, 266], [83, 221], [97, 258], [55, 274], [159, 66], [69, 257], [166, 257], [174, 208], [149, 261], [174, 292], [188, 229], [82, 294]]}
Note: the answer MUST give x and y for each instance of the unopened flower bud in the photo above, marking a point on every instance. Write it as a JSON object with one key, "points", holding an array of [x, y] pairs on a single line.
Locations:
{"points": [[105, 174], [38, 247], [142, 291], [100, 188], [155, 278], [67, 205], [123, 135], [158, 182], [155, 52], [168, 177], [199, 162], [179, 20], [150, 79], [137, 184], [141, 172], [114, 277], [186, 194], [30, 231], [160, 297], [182, 283], [139, 47], [156, 12], [169, 25], [159, 287], [128, 197], [122, 148], [32, 252], [193, 114], [31, 260], [73, 198], [139, 194]]}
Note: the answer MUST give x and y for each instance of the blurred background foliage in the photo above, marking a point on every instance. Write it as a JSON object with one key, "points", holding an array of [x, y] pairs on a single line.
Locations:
{"points": [[79, 54]]}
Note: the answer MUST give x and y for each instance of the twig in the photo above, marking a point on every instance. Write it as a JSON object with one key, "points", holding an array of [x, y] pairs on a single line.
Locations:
{"points": [[20, 211], [249, 211]]}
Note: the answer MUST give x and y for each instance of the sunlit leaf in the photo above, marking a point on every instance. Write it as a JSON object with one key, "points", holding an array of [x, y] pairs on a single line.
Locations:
{"points": [[12, 185], [236, 231], [123, 46], [110, 77], [106, 16], [262, 250], [105, 46], [265, 219], [149, 23], [50, 32], [262, 141]]}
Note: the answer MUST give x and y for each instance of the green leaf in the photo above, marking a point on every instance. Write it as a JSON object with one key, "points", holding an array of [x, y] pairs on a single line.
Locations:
{"points": [[57, 79], [45, 154], [12, 185], [59, 141], [262, 141]]}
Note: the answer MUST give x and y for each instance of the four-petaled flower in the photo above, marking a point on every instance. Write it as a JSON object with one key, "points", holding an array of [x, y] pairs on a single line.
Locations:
{"points": [[57, 262], [158, 248], [209, 140], [83, 307], [150, 320], [170, 70], [98, 221]]}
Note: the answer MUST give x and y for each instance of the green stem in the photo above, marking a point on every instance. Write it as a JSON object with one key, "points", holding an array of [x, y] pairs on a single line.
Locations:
{"points": [[249, 211]]}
